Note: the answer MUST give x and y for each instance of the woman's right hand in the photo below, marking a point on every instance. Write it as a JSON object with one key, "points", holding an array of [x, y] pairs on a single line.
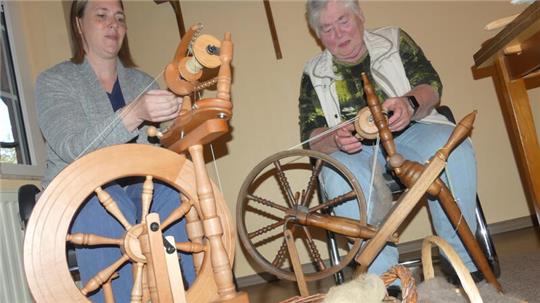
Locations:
{"points": [[152, 106], [346, 141], [342, 139]]}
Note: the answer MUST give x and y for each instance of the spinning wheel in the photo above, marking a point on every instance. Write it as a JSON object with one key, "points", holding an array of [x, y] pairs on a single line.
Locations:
{"points": [[45, 239], [155, 266], [295, 212]]}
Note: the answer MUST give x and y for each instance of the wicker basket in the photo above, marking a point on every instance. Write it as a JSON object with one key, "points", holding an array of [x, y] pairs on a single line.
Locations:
{"points": [[463, 273], [408, 287], [408, 284], [317, 298]]}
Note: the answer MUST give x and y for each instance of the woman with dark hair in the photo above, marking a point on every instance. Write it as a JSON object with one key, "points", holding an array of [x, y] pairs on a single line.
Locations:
{"points": [[98, 99]]}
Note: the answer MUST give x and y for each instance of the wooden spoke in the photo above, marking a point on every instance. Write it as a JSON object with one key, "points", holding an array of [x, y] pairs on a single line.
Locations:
{"points": [[263, 213], [284, 184], [268, 202], [265, 229], [190, 247], [137, 290], [280, 256], [333, 202], [176, 214], [312, 183], [267, 240], [92, 239], [104, 275], [146, 196], [110, 205], [314, 252]]}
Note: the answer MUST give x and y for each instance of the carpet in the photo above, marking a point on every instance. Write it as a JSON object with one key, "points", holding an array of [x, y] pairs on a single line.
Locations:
{"points": [[520, 276]]}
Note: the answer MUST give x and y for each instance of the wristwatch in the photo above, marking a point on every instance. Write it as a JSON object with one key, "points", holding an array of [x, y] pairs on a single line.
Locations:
{"points": [[413, 103]]}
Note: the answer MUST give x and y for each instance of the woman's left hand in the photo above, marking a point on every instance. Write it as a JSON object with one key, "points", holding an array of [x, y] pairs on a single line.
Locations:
{"points": [[402, 113]]}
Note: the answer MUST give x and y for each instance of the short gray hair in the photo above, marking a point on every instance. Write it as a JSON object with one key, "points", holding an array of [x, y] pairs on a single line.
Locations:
{"points": [[314, 8]]}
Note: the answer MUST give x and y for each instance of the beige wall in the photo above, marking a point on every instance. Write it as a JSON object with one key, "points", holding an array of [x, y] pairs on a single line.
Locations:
{"points": [[265, 90]]}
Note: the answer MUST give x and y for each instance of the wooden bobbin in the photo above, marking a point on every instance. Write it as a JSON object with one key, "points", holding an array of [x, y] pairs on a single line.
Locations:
{"points": [[190, 69], [206, 50], [365, 125]]}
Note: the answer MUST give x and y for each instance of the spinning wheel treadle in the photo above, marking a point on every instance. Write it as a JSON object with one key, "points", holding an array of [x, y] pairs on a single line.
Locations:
{"points": [[296, 213], [45, 240]]}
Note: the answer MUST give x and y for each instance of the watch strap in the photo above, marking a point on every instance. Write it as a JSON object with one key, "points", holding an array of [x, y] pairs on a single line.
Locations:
{"points": [[413, 103]]}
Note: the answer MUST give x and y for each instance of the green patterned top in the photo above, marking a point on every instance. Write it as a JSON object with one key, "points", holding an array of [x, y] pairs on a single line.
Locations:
{"points": [[350, 89]]}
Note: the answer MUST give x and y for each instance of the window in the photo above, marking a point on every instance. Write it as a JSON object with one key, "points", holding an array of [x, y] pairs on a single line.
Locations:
{"points": [[19, 139], [13, 144]]}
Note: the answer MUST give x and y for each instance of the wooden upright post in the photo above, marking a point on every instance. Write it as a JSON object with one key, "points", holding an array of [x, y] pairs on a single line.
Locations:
{"points": [[223, 275]]}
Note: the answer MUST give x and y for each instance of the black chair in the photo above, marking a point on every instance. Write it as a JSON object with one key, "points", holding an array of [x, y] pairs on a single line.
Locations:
{"points": [[27, 200], [482, 233]]}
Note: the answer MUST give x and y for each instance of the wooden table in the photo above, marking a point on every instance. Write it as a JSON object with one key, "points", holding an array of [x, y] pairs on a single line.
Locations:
{"points": [[512, 59]]}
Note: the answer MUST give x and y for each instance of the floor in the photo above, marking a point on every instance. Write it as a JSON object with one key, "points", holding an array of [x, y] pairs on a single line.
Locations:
{"points": [[515, 242]]}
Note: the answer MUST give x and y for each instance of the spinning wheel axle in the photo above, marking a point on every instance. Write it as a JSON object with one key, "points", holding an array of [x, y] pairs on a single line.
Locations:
{"points": [[340, 225]]}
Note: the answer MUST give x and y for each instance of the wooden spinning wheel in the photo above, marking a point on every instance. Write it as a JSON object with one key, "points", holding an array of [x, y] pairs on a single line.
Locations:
{"points": [[156, 271], [296, 212]]}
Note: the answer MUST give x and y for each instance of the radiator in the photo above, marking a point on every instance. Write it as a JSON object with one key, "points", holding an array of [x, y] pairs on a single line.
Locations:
{"points": [[13, 287]]}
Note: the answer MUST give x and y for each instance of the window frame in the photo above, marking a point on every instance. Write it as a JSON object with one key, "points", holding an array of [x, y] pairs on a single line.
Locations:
{"points": [[25, 86]]}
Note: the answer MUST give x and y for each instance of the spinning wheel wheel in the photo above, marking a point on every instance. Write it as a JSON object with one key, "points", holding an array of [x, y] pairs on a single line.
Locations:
{"points": [[296, 213], [45, 240]]}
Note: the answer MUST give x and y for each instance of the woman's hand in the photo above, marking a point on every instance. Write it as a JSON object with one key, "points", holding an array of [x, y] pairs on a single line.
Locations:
{"points": [[402, 113], [153, 106], [346, 141], [158, 106]]}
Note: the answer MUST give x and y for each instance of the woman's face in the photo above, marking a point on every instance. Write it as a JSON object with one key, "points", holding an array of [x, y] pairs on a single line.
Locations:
{"points": [[103, 28], [342, 32]]}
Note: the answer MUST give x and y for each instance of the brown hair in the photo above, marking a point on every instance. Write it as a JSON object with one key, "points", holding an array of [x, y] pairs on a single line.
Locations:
{"points": [[77, 11]]}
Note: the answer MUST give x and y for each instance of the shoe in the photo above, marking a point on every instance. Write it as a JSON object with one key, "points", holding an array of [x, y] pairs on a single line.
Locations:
{"points": [[451, 275]]}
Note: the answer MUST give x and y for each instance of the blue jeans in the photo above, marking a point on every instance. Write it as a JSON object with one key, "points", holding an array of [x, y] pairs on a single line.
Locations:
{"points": [[93, 218], [417, 143]]}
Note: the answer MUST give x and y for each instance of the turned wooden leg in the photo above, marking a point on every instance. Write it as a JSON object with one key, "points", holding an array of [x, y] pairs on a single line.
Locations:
{"points": [[223, 275]]}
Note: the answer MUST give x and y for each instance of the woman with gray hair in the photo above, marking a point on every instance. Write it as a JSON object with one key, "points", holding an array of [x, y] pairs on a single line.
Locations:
{"points": [[332, 91]]}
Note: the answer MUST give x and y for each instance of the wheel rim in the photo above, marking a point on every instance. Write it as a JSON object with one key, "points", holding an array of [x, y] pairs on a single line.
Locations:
{"points": [[45, 245], [247, 199]]}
